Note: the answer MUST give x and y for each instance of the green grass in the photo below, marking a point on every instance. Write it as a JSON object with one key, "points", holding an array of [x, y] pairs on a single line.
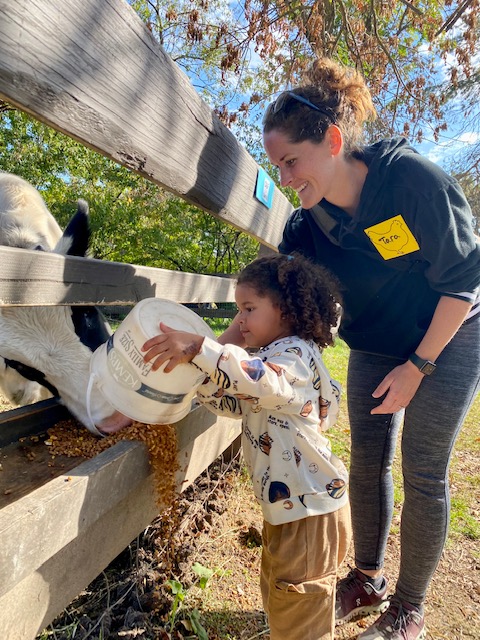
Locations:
{"points": [[336, 359], [218, 325], [465, 478], [462, 521]]}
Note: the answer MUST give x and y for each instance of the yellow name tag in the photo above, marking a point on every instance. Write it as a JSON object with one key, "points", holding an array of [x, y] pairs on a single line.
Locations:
{"points": [[392, 238]]}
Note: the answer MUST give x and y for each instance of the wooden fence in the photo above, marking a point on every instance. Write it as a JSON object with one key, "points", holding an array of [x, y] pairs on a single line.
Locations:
{"points": [[92, 70]]}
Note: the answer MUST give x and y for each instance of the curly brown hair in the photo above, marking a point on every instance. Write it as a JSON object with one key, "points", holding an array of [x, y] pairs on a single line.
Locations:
{"points": [[306, 293], [337, 94]]}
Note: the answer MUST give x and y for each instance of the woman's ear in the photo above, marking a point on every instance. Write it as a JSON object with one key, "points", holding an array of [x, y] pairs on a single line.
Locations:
{"points": [[335, 139]]}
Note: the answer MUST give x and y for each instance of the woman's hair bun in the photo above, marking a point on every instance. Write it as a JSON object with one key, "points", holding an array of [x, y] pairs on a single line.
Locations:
{"points": [[346, 82]]}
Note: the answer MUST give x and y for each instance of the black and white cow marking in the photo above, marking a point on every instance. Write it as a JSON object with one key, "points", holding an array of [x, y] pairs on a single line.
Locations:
{"points": [[55, 342]]}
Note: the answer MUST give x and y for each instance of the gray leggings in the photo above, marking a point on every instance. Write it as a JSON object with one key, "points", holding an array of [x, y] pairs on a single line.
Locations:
{"points": [[432, 422]]}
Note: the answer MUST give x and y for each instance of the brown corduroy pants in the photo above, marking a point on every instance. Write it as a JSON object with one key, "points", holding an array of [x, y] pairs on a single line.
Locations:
{"points": [[299, 572]]}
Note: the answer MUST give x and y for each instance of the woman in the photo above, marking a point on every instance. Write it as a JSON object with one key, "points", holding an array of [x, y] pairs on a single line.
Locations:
{"points": [[398, 234]]}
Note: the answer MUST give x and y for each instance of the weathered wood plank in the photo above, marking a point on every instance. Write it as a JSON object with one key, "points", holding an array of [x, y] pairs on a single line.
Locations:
{"points": [[56, 539], [30, 420], [93, 70], [27, 465], [41, 278]]}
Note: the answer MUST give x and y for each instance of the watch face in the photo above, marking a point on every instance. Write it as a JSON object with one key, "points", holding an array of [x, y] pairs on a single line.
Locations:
{"points": [[428, 368]]}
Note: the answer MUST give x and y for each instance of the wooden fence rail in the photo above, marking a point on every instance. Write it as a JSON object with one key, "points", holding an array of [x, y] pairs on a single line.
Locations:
{"points": [[41, 278], [93, 70]]}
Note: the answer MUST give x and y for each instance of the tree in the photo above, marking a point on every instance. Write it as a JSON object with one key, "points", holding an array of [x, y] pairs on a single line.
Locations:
{"points": [[471, 189], [396, 45], [133, 220]]}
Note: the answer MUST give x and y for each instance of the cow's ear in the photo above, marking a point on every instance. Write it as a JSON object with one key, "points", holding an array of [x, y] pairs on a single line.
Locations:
{"points": [[76, 237]]}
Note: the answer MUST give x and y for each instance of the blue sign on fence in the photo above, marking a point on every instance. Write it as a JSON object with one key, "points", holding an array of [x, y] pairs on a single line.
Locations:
{"points": [[264, 188]]}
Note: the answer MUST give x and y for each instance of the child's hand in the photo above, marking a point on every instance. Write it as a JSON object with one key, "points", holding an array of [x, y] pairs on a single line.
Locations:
{"points": [[232, 334], [176, 346]]}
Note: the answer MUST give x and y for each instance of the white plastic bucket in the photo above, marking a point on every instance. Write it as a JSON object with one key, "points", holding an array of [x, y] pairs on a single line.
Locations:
{"points": [[129, 384]]}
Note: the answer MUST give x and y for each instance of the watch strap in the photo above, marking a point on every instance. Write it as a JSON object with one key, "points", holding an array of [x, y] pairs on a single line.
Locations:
{"points": [[427, 367]]}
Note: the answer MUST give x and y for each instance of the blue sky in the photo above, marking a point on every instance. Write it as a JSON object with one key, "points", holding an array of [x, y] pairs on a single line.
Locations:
{"points": [[462, 132]]}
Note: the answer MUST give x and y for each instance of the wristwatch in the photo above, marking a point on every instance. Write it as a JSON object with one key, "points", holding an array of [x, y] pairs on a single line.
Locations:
{"points": [[425, 366]]}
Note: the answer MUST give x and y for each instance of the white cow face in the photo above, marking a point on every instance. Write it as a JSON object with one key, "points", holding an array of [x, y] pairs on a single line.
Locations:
{"points": [[25, 221], [44, 338], [52, 340]]}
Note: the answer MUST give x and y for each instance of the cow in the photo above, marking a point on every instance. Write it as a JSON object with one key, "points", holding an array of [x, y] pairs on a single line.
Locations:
{"points": [[25, 222], [51, 344]]}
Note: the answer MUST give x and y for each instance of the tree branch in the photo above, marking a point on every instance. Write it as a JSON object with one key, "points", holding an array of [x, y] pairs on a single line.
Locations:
{"points": [[449, 22], [349, 31], [416, 10], [396, 71]]}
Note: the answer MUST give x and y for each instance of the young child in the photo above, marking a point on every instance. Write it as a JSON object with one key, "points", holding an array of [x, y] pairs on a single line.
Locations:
{"points": [[286, 399]]}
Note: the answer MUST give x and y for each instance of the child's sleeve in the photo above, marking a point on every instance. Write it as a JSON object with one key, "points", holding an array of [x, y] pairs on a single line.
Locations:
{"points": [[282, 382], [330, 393], [217, 401]]}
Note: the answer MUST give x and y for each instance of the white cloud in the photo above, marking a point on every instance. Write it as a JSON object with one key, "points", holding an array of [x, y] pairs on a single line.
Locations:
{"points": [[447, 148]]}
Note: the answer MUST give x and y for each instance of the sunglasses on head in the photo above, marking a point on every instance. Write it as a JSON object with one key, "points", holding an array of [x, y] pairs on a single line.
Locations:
{"points": [[284, 98]]}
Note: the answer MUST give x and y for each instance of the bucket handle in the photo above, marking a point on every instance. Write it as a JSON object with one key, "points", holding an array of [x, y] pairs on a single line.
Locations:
{"points": [[91, 427]]}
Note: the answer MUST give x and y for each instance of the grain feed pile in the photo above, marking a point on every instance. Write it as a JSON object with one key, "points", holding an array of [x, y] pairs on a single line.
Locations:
{"points": [[71, 439]]}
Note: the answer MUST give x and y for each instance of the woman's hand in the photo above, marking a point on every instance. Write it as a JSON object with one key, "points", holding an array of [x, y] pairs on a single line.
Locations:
{"points": [[400, 385], [403, 381], [178, 347]]}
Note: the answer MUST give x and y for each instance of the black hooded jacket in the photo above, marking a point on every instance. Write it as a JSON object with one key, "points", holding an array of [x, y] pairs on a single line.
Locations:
{"points": [[410, 242]]}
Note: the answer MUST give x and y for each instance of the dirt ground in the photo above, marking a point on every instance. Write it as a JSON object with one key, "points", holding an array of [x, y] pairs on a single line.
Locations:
{"points": [[214, 533]]}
